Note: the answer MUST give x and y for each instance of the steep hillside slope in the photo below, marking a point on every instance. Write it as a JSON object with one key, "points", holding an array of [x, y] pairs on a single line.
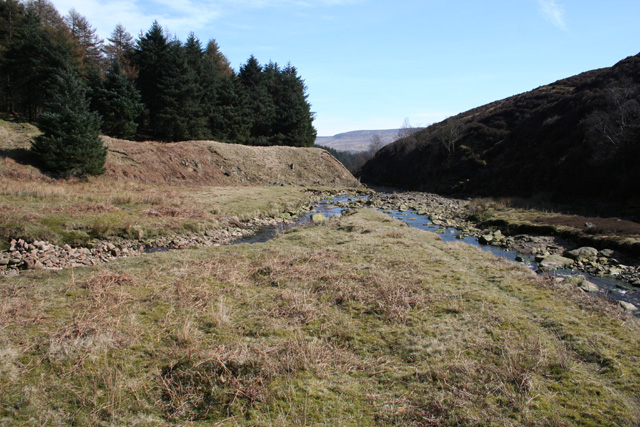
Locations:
{"points": [[577, 138]]}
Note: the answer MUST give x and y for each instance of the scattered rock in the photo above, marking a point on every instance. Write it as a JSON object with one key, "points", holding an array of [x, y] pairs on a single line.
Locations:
{"points": [[485, 239], [588, 286], [606, 253], [583, 254], [555, 261], [627, 306]]}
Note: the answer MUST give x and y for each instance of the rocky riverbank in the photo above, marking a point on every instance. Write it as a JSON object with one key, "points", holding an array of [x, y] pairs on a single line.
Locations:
{"points": [[41, 255], [550, 251]]}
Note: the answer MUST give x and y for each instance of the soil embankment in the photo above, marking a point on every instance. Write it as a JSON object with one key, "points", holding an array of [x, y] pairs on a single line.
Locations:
{"points": [[210, 162]]}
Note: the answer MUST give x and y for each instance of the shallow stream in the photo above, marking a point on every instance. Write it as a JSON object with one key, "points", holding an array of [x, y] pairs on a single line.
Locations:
{"points": [[610, 287]]}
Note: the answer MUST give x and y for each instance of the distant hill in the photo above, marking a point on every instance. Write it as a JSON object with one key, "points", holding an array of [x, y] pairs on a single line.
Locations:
{"points": [[357, 141], [575, 139]]}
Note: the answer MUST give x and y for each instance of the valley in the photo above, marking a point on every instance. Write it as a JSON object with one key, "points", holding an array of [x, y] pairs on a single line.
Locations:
{"points": [[357, 319]]}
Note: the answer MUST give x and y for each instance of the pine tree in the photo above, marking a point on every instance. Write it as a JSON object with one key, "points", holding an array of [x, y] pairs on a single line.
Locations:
{"points": [[70, 144], [31, 60], [180, 116], [150, 58], [118, 102], [261, 106], [293, 120]]}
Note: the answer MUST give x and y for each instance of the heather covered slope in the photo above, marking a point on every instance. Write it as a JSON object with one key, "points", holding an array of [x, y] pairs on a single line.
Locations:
{"points": [[575, 138]]}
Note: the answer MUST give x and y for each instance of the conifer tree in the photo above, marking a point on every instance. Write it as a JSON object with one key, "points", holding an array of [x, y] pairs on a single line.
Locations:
{"points": [[90, 46], [293, 121], [150, 58], [261, 106], [31, 60], [11, 13], [231, 116], [70, 144], [222, 64], [121, 48], [179, 111], [118, 102]]}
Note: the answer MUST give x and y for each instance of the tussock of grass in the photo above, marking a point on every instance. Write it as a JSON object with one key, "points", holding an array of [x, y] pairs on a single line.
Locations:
{"points": [[356, 322]]}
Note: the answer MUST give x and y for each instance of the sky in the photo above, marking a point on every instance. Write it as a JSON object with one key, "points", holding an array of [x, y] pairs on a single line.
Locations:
{"points": [[372, 64]]}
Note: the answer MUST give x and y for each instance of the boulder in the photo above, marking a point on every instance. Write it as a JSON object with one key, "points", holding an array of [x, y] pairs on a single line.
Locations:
{"points": [[485, 239], [583, 254], [627, 306], [606, 253], [555, 261], [588, 286], [318, 218]]}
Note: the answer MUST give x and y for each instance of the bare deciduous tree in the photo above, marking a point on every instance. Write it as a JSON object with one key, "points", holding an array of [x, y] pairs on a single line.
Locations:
{"points": [[450, 134], [375, 145], [406, 129], [612, 128]]}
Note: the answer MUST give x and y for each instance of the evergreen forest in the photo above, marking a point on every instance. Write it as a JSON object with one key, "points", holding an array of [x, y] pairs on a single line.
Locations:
{"points": [[155, 87]]}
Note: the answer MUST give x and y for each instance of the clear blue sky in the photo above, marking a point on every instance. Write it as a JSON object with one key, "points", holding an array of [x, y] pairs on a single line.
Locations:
{"points": [[369, 64]]}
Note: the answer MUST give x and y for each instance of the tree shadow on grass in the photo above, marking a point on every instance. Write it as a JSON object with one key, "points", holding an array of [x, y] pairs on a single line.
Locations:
{"points": [[20, 155]]}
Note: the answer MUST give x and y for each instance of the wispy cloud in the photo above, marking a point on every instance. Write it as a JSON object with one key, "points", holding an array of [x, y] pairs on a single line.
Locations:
{"points": [[553, 12], [179, 16]]}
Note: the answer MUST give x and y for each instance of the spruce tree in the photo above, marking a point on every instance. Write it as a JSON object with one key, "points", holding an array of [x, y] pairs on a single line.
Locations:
{"points": [[150, 58], [180, 116], [118, 102], [293, 119], [231, 119], [70, 143], [31, 60], [261, 105]]}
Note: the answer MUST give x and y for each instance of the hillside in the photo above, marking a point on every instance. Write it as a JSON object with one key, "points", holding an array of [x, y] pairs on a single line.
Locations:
{"points": [[204, 162], [575, 139], [358, 140], [223, 164]]}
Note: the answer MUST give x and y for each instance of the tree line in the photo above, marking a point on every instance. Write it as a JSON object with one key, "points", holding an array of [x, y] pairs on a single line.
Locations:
{"points": [[153, 87]]}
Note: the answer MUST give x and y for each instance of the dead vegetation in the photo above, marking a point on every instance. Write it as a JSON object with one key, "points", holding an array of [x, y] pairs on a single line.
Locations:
{"points": [[336, 324]]}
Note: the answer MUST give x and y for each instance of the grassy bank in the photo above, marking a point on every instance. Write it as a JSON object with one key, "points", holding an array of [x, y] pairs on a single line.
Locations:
{"points": [[514, 216], [361, 321], [74, 212]]}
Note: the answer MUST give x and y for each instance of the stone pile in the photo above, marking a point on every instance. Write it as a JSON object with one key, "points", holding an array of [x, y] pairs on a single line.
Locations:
{"points": [[40, 255]]}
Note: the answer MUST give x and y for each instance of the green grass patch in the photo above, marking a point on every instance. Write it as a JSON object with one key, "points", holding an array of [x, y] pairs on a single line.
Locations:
{"points": [[357, 322]]}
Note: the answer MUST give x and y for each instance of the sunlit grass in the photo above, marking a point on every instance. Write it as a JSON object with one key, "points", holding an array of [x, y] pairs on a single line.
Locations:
{"points": [[360, 321]]}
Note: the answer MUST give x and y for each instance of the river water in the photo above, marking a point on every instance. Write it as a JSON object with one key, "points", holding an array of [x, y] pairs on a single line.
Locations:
{"points": [[610, 287]]}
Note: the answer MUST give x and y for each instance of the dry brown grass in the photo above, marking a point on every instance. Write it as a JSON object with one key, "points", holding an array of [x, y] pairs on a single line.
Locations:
{"points": [[329, 325]]}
